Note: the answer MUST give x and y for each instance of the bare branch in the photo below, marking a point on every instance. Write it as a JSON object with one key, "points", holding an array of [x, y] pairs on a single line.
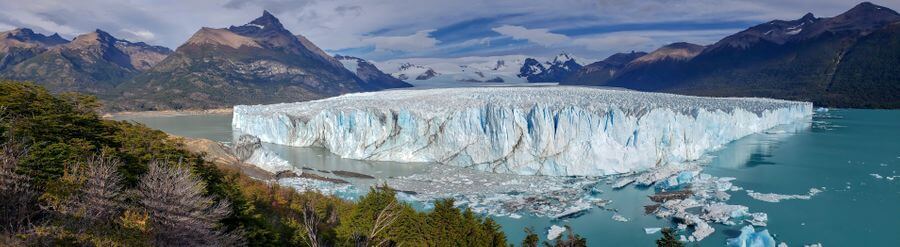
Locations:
{"points": [[18, 199], [179, 212]]}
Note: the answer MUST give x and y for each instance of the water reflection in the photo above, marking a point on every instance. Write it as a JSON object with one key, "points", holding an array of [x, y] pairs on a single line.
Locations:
{"points": [[755, 149]]}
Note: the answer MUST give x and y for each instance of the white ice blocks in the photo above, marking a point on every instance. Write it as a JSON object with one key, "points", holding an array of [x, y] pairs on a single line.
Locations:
{"points": [[560, 131]]}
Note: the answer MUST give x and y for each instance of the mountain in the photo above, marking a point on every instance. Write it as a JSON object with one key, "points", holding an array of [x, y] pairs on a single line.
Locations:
{"points": [[552, 71], [23, 43], [601, 70], [657, 66], [373, 78], [257, 63], [453, 72], [409, 71], [849, 60], [94, 62]]}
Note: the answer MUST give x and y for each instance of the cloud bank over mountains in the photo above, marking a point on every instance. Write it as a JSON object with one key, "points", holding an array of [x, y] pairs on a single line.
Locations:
{"points": [[381, 30]]}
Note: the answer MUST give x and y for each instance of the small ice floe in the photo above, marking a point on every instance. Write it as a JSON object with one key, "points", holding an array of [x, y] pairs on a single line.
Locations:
{"points": [[652, 230], [554, 232], [821, 109], [782, 244], [664, 173], [772, 197], [813, 245], [676, 181], [622, 182], [342, 190], [515, 216], [889, 178], [750, 237], [619, 218]]}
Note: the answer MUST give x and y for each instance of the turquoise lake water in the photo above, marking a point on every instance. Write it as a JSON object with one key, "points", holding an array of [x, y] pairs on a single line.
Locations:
{"points": [[838, 150]]}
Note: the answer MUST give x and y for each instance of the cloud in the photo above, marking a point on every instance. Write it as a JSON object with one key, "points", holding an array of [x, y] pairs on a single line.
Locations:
{"points": [[539, 36], [418, 41], [604, 43], [647, 40], [139, 35], [350, 24]]}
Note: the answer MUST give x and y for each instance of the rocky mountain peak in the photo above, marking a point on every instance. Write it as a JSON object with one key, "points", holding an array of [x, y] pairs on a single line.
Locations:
{"points": [[263, 25], [97, 37], [863, 18], [562, 58], [808, 17], [622, 58], [28, 35], [674, 51]]}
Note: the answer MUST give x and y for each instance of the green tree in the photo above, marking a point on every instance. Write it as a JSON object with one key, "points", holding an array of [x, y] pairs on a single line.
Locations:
{"points": [[531, 239], [668, 239]]}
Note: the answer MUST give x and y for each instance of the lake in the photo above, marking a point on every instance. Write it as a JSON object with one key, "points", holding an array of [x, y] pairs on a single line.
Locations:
{"points": [[853, 154]]}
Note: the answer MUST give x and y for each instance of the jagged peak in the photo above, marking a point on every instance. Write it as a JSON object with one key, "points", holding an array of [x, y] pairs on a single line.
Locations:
{"points": [[22, 30], [808, 16], [267, 20], [869, 9], [29, 36], [562, 57]]}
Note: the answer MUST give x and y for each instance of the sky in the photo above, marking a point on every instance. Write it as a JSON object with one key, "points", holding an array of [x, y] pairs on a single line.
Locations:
{"points": [[381, 30]]}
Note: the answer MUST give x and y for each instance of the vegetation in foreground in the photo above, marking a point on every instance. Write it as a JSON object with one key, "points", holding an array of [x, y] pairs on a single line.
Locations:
{"points": [[68, 177]]}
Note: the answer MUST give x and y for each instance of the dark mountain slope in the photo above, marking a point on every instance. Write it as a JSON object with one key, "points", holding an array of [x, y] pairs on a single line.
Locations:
{"points": [[850, 60], [94, 62], [257, 63], [601, 71]]}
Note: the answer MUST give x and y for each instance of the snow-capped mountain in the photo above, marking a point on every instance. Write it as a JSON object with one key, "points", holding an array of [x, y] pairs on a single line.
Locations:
{"points": [[372, 77], [551, 71], [408, 71], [491, 69], [456, 71]]}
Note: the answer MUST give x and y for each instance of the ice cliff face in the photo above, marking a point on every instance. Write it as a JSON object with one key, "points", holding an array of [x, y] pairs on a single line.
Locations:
{"points": [[529, 130]]}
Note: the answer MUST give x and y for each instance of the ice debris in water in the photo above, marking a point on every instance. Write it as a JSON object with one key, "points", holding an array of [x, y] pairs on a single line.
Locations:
{"points": [[345, 191], [619, 218], [696, 199], [503, 194], [751, 238], [520, 130], [554, 232], [813, 245], [772, 197], [652, 230]]}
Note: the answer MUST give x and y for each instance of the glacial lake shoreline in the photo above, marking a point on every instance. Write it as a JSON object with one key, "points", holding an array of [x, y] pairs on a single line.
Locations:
{"points": [[840, 151]]}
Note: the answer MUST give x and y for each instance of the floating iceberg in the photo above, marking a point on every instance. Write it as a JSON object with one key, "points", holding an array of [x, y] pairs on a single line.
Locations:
{"points": [[772, 197], [521, 130], [554, 232], [751, 238], [651, 230]]}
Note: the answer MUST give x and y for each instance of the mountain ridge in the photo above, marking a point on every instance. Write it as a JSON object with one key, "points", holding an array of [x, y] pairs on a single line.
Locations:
{"points": [[822, 60]]}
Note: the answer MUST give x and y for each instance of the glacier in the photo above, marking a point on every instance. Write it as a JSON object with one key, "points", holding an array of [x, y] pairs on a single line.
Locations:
{"points": [[556, 131]]}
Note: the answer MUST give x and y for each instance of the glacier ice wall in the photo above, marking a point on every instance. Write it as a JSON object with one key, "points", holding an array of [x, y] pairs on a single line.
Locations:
{"points": [[523, 130]]}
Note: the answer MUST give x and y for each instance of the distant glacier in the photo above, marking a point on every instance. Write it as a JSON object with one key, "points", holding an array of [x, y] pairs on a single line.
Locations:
{"points": [[557, 131]]}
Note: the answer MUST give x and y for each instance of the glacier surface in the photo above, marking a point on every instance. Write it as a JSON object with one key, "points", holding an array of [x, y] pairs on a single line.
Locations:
{"points": [[560, 131]]}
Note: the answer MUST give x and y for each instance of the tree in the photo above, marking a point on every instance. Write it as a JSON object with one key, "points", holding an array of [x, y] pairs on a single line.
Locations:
{"points": [[531, 239], [571, 240], [668, 239], [98, 198], [17, 196], [179, 212]]}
